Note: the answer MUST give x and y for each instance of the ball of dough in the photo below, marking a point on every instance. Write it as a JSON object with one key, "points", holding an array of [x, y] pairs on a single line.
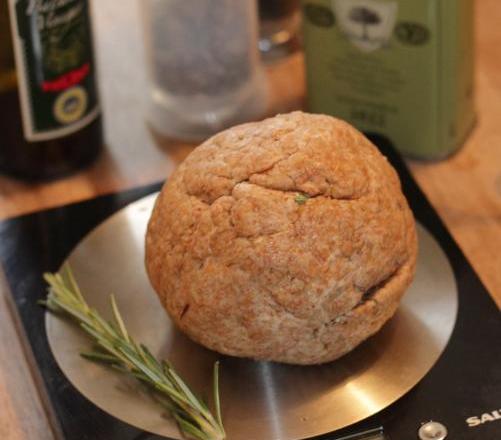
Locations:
{"points": [[287, 240]]}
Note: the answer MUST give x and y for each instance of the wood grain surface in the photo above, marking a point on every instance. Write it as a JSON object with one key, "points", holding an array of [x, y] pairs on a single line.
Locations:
{"points": [[465, 189]]}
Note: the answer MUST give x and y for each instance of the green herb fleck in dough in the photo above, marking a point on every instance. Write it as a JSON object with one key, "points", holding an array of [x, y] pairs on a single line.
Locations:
{"points": [[301, 199]]}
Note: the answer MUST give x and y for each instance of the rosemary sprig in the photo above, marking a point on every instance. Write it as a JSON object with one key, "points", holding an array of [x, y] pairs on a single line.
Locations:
{"points": [[119, 350]]}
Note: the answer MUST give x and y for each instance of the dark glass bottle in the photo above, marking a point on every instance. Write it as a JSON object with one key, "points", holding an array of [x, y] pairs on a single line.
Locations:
{"points": [[277, 9], [279, 28], [49, 114]]}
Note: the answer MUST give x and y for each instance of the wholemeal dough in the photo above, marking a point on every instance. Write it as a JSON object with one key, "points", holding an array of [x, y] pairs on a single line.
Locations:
{"points": [[286, 240]]}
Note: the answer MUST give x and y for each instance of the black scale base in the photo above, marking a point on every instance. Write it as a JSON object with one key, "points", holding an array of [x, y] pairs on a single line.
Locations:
{"points": [[464, 383]]}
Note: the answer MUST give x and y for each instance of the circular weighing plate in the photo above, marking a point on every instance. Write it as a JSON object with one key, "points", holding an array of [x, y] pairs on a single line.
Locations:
{"points": [[260, 400]]}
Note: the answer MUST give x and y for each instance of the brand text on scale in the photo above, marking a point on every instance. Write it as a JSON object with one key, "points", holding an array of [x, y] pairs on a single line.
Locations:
{"points": [[492, 416]]}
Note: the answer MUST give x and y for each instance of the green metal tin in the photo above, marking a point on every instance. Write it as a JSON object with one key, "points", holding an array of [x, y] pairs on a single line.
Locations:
{"points": [[402, 69]]}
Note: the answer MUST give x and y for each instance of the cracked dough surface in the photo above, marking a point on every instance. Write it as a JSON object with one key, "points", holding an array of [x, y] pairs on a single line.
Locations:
{"points": [[245, 270]]}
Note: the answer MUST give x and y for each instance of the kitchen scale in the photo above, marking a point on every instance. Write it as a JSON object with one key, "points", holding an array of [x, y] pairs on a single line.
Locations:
{"points": [[433, 372]]}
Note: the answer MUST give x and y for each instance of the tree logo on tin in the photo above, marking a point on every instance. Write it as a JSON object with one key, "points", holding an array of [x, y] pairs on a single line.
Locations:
{"points": [[414, 34], [368, 24]]}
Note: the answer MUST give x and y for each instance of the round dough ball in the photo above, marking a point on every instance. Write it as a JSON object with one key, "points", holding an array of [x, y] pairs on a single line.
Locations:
{"points": [[287, 240]]}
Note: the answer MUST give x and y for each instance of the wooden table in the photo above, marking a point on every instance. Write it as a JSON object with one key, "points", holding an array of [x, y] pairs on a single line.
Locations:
{"points": [[465, 190]]}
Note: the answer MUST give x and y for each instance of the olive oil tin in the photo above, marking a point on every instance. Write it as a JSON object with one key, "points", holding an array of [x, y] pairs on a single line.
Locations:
{"points": [[402, 69]]}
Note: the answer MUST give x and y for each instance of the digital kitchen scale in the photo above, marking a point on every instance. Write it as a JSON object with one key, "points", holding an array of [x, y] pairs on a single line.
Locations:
{"points": [[459, 397]]}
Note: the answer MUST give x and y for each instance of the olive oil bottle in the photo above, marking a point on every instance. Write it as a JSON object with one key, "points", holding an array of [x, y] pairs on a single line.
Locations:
{"points": [[398, 68], [50, 121]]}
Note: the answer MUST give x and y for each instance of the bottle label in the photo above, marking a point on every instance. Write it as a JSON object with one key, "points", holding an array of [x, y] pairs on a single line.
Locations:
{"points": [[55, 66]]}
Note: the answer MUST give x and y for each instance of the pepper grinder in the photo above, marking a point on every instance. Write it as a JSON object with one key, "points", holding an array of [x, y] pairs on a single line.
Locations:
{"points": [[204, 66]]}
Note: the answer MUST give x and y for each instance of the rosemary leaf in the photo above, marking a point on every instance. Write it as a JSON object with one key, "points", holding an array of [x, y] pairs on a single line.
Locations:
{"points": [[99, 357], [217, 402], [118, 319], [191, 429]]}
